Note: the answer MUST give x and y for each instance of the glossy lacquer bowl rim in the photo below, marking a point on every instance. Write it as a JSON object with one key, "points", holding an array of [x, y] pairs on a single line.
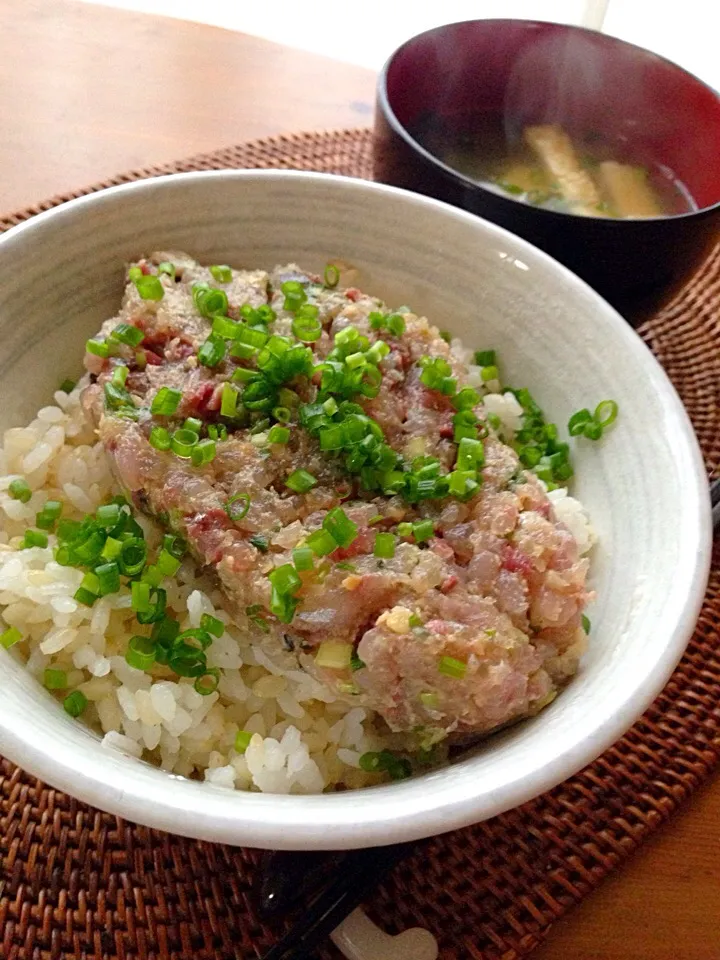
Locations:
{"points": [[441, 800], [559, 217]]}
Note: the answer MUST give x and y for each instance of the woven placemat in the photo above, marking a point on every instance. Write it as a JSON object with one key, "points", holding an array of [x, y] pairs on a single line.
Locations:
{"points": [[79, 883]]}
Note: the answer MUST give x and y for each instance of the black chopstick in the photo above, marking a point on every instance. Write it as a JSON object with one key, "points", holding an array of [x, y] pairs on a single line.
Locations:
{"points": [[360, 872], [715, 500]]}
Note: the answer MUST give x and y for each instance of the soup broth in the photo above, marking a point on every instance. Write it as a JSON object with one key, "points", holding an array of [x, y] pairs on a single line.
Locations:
{"points": [[541, 164]]}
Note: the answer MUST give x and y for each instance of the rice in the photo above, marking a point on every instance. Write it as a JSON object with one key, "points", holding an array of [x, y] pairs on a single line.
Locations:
{"points": [[151, 716]]}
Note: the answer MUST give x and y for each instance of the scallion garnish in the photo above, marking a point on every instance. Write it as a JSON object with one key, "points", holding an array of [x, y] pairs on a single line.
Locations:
{"points": [[203, 452], [385, 762], [49, 515], [149, 287], [108, 575], [141, 652], [67, 386], [208, 682], [183, 442], [340, 527], [303, 558], [450, 667], [586, 623], [331, 277], [606, 413], [35, 538], [54, 679], [384, 546], [128, 334], [166, 401], [238, 506], [242, 740], [75, 703], [260, 542], [228, 401], [212, 625], [9, 637], [160, 438], [221, 272], [209, 301], [99, 348], [278, 434], [167, 267], [485, 358], [19, 489], [300, 481], [212, 352], [132, 556]]}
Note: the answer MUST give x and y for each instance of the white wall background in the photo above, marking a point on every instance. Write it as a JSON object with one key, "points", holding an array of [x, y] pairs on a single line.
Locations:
{"points": [[365, 32]]}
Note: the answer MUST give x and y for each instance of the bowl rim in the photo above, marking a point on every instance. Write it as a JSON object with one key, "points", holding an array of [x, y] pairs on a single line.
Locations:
{"points": [[455, 176], [411, 809]]}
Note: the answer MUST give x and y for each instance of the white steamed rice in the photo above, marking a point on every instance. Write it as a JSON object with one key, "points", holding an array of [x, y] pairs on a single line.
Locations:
{"points": [[304, 739]]}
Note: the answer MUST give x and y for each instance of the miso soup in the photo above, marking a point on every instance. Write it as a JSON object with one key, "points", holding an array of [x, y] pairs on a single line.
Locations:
{"points": [[542, 165]]}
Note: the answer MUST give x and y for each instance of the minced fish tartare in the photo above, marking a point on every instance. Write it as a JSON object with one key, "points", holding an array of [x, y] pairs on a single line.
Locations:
{"points": [[281, 537]]}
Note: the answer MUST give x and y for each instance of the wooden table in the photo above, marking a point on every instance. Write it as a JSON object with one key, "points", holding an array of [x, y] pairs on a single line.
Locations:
{"points": [[86, 92]]}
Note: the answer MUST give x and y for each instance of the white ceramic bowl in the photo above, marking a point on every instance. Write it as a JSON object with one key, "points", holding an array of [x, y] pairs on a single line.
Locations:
{"points": [[60, 275]]}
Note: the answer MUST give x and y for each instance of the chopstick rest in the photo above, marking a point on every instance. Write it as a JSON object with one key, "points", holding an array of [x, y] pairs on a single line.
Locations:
{"points": [[358, 938]]}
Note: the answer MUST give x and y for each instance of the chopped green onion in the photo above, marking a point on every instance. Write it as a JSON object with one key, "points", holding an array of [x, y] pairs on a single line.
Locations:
{"points": [[166, 401], [167, 564], [140, 596], [593, 430], [75, 703], [242, 740], [225, 327], [300, 481], [278, 434], [221, 272], [54, 679], [212, 625], [128, 334], [306, 328], [160, 438], [396, 324], [91, 583], [489, 373], [576, 423], [108, 515], [183, 442], [606, 413], [67, 386], [260, 542], [430, 700], [450, 667], [331, 277], [238, 506], [135, 273], [203, 452], [175, 546], [35, 538], [217, 431], [321, 543], [586, 623], [355, 662], [485, 358], [385, 762], [108, 575], [167, 267], [197, 638], [212, 352], [415, 620], [446, 336], [209, 301], [340, 527], [149, 287], [132, 556], [186, 661], [285, 578], [141, 652], [49, 514], [385, 545], [9, 637], [423, 530], [156, 606], [208, 682], [295, 295], [111, 549], [228, 401], [20, 490], [152, 574], [99, 348], [303, 558], [85, 597]]}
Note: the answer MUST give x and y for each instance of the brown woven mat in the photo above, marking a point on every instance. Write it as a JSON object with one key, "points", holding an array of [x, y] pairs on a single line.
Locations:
{"points": [[82, 884]]}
